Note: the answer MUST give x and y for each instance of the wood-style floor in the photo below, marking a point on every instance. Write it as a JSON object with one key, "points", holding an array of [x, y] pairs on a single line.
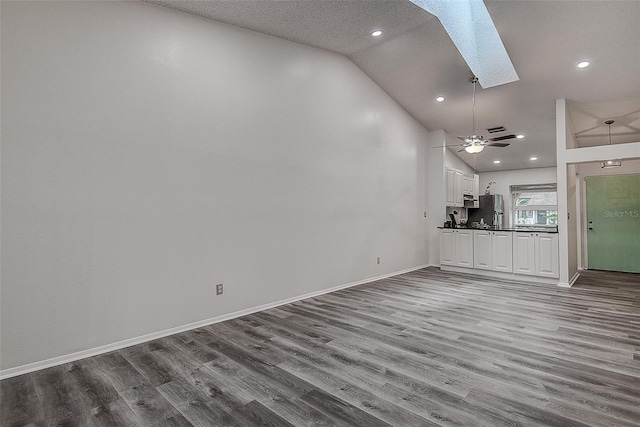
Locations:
{"points": [[426, 348]]}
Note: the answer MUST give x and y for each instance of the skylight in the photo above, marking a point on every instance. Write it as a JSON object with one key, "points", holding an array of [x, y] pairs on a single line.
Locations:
{"points": [[471, 29]]}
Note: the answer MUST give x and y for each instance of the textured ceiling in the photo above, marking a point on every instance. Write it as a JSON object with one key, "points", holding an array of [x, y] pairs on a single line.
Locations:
{"points": [[337, 25], [415, 61]]}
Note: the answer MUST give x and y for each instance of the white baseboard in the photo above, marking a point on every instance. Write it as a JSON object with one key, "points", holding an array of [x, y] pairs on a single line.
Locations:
{"points": [[570, 282], [67, 358], [501, 275]]}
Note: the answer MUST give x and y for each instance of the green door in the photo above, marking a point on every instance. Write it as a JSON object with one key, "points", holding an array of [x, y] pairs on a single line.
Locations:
{"points": [[613, 221]]}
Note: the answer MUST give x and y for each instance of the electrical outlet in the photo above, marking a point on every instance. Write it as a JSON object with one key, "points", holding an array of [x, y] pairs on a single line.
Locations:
{"points": [[378, 260], [219, 289]]}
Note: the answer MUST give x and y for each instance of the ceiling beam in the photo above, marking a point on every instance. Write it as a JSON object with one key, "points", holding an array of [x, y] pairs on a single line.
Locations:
{"points": [[600, 153]]}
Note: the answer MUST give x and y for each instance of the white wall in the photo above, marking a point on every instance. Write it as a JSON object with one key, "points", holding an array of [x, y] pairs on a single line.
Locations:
{"points": [[148, 155], [504, 179]]}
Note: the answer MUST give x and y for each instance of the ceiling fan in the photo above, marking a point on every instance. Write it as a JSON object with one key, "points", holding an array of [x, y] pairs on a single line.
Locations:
{"points": [[475, 143]]}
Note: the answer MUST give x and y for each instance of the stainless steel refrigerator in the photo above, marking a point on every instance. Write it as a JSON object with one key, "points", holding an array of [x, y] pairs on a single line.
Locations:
{"points": [[491, 210]]}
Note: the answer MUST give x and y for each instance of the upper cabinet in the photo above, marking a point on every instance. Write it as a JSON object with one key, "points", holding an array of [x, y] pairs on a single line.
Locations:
{"points": [[453, 182], [467, 185], [461, 189], [476, 187], [458, 189], [450, 182]]}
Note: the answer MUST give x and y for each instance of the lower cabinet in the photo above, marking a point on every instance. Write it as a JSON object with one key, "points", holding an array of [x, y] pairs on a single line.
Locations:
{"points": [[482, 250], [493, 250], [536, 254], [524, 253], [448, 247], [502, 251], [456, 248], [546, 255]]}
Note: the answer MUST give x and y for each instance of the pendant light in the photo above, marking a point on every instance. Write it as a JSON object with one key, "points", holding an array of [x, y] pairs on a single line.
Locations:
{"points": [[475, 142], [610, 163]]}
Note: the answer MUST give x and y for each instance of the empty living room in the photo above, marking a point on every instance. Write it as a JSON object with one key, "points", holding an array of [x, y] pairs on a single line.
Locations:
{"points": [[297, 213]]}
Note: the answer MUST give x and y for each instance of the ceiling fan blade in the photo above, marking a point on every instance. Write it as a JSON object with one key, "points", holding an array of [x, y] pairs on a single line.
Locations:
{"points": [[461, 150], [502, 138], [498, 144], [462, 138]]}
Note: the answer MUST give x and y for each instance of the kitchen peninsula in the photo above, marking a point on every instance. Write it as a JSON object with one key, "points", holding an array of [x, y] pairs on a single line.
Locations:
{"points": [[529, 254]]}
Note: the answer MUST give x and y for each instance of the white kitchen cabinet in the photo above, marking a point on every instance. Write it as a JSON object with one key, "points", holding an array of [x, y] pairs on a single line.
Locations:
{"points": [[454, 184], [524, 253], [471, 188], [456, 248], [476, 187], [536, 254], [459, 199], [467, 184], [448, 247], [502, 251], [546, 255], [471, 185], [493, 250], [450, 183], [464, 248], [482, 250]]}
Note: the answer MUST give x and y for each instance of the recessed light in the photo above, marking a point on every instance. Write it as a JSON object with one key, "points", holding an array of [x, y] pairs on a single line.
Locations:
{"points": [[440, 98], [496, 161], [583, 64], [520, 136], [533, 158], [376, 33]]}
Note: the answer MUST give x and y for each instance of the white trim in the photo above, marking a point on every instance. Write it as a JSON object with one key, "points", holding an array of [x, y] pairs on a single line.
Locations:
{"points": [[501, 275], [571, 282], [603, 152], [67, 358], [574, 278]]}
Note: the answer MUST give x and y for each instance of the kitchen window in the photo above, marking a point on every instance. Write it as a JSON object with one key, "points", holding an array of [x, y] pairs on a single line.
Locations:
{"points": [[535, 205]]}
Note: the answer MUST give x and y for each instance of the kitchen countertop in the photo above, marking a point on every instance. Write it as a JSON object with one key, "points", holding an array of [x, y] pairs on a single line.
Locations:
{"points": [[516, 230]]}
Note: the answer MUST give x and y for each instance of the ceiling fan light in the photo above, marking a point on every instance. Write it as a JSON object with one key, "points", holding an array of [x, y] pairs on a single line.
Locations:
{"points": [[474, 148], [474, 139]]}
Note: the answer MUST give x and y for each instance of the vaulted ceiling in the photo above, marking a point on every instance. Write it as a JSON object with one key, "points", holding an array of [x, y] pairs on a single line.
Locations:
{"points": [[415, 61]]}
